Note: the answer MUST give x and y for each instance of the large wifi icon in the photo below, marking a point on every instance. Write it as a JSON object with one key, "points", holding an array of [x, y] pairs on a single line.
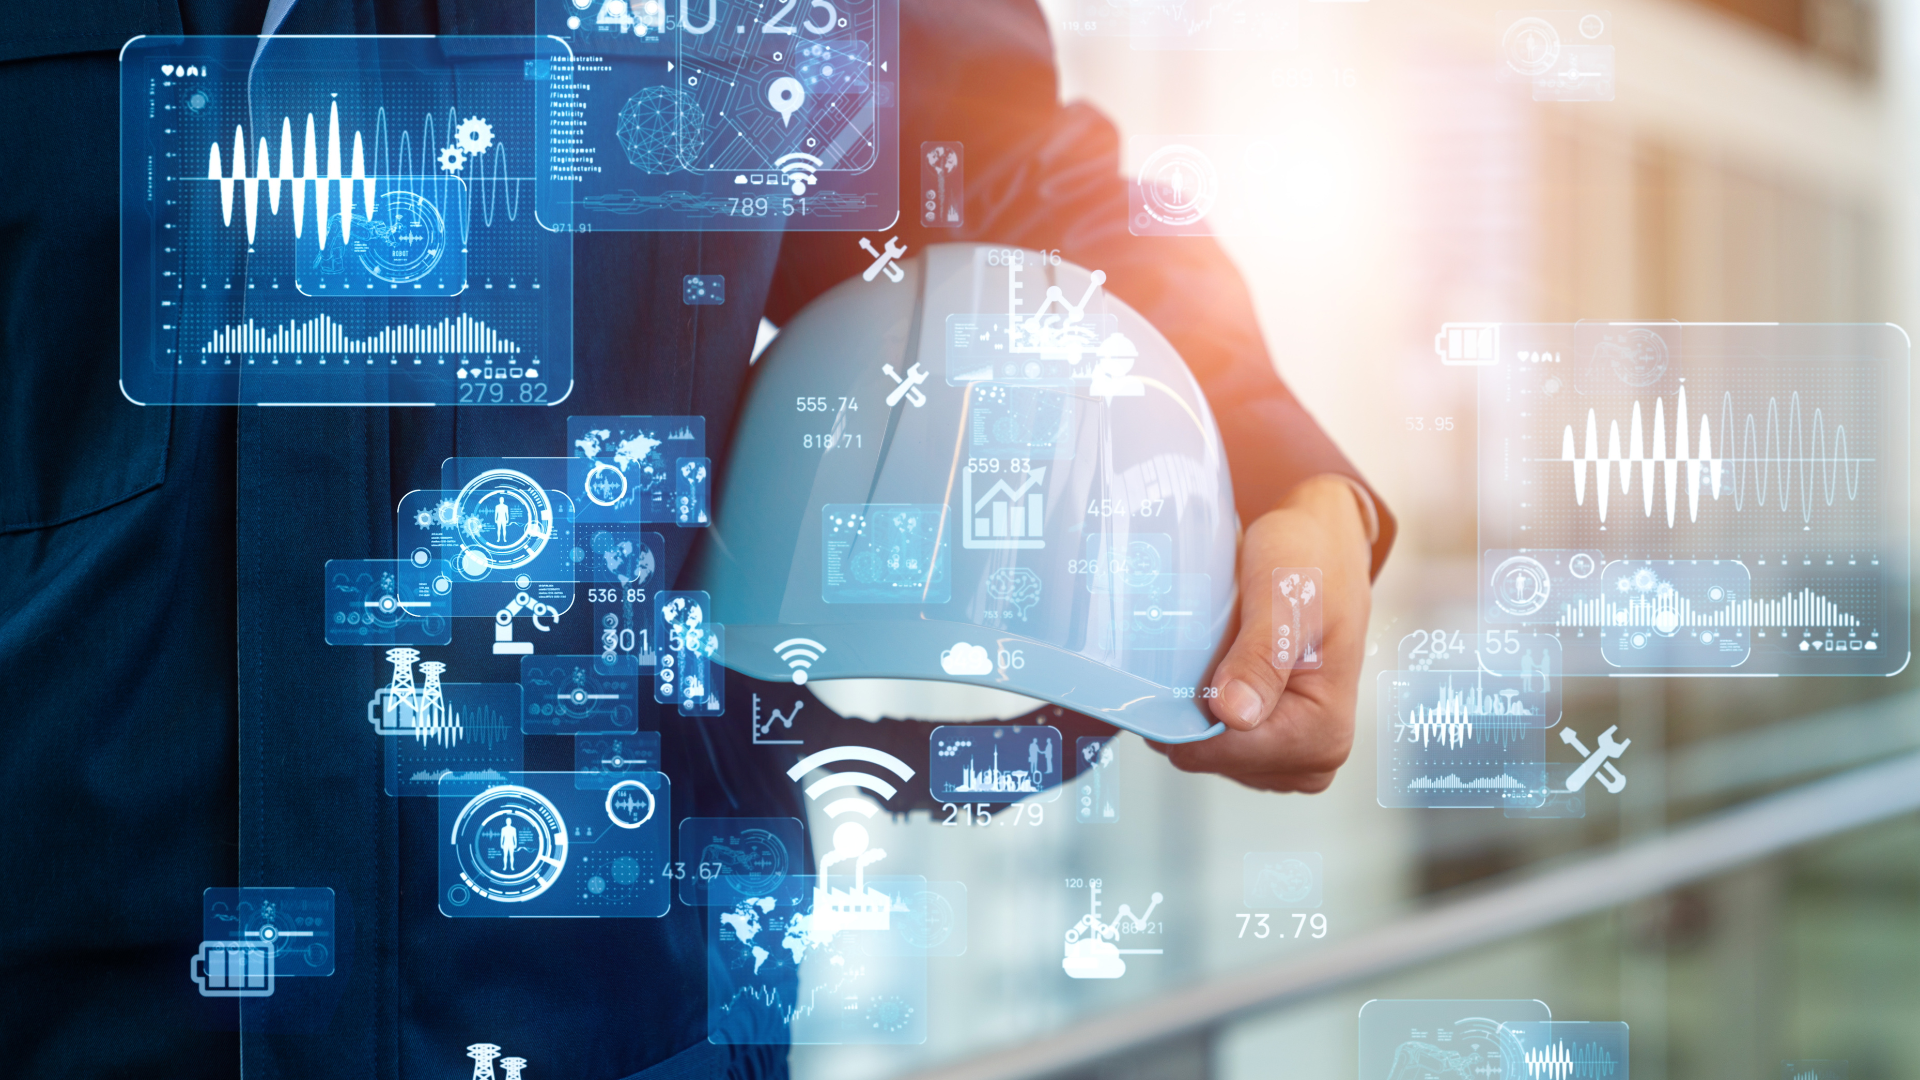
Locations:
{"points": [[799, 654], [838, 781], [860, 907], [797, 170]]}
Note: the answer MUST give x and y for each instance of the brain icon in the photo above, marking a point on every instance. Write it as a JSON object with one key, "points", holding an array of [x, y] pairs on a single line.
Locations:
{"points": [[1017, 587]]}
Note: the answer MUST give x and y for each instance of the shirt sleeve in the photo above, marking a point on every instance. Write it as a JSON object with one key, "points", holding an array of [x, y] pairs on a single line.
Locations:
{"points": [[1040, 174]]}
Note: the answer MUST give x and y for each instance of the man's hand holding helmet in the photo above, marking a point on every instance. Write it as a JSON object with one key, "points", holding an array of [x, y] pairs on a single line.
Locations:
{"points": [[1290, 730]]}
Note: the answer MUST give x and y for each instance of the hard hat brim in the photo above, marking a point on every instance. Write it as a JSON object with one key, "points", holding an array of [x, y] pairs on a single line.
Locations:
{"points": [[925, 649]]}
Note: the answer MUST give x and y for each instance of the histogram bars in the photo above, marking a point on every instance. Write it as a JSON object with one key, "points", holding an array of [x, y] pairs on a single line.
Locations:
{"points": [[461, 334], [1807, 609], [1778, 456]]}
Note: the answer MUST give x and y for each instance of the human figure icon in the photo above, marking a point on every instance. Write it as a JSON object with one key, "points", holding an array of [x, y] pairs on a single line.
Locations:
{"points": [[500, 519], [509, 843]]}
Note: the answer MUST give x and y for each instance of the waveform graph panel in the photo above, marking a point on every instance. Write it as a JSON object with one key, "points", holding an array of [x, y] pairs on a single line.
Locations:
{"points": [[1463, 738], [1781, 447], [1456, 1038], [348, 220], [475, 735], [1568, 1049], [1830, 1069]]}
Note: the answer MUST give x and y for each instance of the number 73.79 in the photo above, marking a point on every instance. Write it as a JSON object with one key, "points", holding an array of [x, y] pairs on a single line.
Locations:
{"points": [[1261, 928]]}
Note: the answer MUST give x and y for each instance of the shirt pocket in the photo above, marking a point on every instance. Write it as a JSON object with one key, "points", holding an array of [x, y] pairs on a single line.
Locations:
{"points": [[70, 442], [31, 30]]}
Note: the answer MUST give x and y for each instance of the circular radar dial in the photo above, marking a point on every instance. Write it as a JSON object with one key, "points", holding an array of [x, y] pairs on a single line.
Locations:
{"points": [[928, 921], [1178, 185], [756, 866], [606, 485], [630, 804], [404, 239], [505, 520], [1531, 45], [511, 843], [1521, 586], [1637, 357]]}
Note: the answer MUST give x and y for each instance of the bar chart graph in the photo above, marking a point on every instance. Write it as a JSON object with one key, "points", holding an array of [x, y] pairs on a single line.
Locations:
{"points": [[462, 334], [1008, 515]]}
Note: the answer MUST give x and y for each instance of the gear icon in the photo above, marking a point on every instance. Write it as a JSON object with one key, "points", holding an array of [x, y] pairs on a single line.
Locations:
{"points": [[473, 136], [452, 159]]}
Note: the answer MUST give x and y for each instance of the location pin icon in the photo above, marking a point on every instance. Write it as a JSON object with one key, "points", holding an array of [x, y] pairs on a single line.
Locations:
{"points": [[786, 95]]}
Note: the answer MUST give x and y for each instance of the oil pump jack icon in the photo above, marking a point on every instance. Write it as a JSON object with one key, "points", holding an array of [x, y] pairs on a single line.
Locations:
{"points": [[1092, 947], [1062, 329]]}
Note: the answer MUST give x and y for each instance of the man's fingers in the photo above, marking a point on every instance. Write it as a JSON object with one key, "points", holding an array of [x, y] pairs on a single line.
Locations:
{"points": [[1297, 738], [1248, 684]]}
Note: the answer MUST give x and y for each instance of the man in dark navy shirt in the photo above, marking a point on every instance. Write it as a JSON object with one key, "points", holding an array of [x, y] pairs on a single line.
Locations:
{"points": [[174, 721]]}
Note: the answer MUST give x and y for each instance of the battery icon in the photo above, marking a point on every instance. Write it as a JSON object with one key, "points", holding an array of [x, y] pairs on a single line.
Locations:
{"points": [[1468, 343], [233, 969]]}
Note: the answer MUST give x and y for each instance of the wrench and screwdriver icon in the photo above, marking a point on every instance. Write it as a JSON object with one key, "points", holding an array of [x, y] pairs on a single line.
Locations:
{"points": [[1599, 759], [884, 260], [909, 387]]}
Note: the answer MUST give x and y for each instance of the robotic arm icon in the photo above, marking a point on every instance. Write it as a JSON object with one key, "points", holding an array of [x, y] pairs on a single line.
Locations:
{"points": [[503, 643]]}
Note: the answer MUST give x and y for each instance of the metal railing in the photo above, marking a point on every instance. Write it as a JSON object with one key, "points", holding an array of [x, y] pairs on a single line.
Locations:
{"points": [[1534, 900]]}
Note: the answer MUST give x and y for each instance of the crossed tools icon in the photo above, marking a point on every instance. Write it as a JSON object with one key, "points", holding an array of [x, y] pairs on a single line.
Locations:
{"points": [[884, 260], [909, 387], [1599, 759]]}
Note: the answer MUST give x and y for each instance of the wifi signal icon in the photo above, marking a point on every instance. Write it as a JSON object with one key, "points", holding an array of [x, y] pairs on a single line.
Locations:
{"points": [[799, 654], [867, 781], [797, 170]]}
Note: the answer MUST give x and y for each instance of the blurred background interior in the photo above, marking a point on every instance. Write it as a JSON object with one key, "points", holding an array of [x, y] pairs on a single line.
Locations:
{"points": [[1753, 895]]}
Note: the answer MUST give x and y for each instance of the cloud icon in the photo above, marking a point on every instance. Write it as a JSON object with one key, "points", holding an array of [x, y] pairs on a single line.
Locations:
{"points": [[1093, 959], [965, 659]]}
